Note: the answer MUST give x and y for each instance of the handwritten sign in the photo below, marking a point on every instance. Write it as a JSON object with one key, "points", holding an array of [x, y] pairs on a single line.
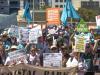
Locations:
{"points": [[53, 16], [24, 34], [14, 31], [35, 32], [80, 44], [18, 55], [52, 59]]}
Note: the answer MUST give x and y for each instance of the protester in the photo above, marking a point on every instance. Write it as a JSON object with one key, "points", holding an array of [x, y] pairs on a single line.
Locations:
{"points": [[8, 61], [65, 55], [2, 55], [55, 42], [89, 56], [33, 57], [73, 60], [6, 41], [54, 49]]}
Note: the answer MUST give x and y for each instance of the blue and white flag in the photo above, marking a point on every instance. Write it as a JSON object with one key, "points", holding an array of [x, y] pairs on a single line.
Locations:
{"points": [[27, 14], [68, 12]]}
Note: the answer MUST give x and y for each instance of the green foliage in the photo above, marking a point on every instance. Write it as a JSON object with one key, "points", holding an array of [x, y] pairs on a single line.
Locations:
{"points": [[88, 14]]}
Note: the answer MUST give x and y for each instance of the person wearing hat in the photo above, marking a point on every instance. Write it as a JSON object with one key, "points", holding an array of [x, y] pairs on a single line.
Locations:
{"points": [[7, 62], [33, 57], [72, 61], [53, 49]]}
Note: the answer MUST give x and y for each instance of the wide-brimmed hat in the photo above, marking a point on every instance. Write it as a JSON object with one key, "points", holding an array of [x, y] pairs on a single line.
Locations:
{"points": [[53, 46], [13, 47], [4, 33]]}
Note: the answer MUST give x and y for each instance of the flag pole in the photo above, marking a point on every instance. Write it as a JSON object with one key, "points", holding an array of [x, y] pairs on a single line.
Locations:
{"points": [[33, 12]]}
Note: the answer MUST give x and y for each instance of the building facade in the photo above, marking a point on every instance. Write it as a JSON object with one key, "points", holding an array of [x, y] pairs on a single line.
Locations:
{"points": [[77, 3], [93, 4], [38, 4], [58, 3], [9, 6]]}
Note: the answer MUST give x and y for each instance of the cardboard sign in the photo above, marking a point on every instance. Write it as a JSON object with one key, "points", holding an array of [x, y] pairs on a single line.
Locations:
{"points": [[52, 60], [20, 16], [53, 16], [18, 55], [14, 31], [34, 34], [96, 33], [80, 44], [24, 69], [24, 34]]}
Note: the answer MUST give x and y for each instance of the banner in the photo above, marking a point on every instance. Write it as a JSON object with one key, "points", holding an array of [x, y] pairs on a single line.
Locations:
{"points": [[35, 32], [52, 59], [23, 69], [53, 16], [80, 44], [98, 20], [14, 31], [24, 34]]}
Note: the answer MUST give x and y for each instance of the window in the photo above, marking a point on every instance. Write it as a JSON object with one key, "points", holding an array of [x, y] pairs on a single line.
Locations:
{"points": [[56, 6], [61, 6], [61, 0], [56, 0], [2, 8], [1, 2]]}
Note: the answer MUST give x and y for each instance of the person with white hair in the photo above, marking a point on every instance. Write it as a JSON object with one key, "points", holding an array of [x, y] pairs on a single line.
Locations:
{"points": [[72, 61]]}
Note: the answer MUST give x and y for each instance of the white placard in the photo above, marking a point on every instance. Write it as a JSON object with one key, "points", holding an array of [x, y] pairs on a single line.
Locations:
{"points": [[14, 31], [98, 20], [52, 59], [18, 55], [34, 34], [24, 34]]}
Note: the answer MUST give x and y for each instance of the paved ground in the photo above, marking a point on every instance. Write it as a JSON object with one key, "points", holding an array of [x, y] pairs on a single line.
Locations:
{"points": [[97, 73]]}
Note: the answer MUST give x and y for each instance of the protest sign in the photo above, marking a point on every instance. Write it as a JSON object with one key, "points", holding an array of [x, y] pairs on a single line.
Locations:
{"points": [[53, 16], [24, 69], [52, 59], [34, 34], [20, 15], [98, 20], [24, 34], [96, 33], [14, 31], [18, 55], [80, 44]]}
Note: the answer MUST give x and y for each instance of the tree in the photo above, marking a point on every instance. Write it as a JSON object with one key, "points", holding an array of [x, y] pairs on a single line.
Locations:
{"points": [[88, 14]]}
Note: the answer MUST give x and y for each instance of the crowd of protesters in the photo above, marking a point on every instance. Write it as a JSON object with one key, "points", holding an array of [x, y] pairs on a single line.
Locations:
{"points": [[59, 42]]}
